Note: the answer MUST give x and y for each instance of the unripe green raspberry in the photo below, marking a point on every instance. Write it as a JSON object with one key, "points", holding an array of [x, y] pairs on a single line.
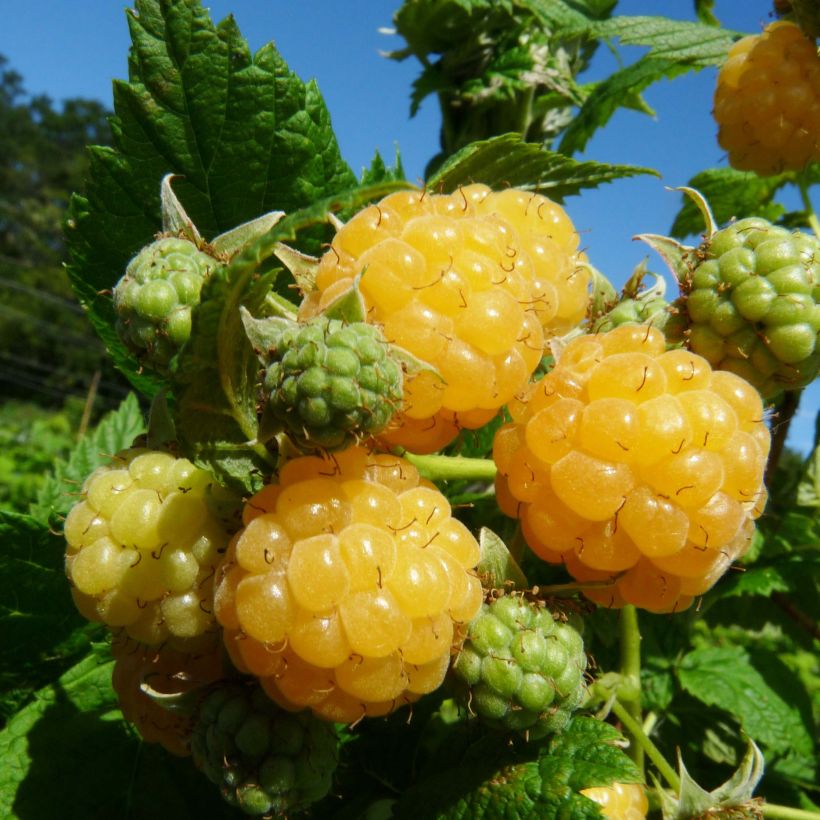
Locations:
{"points": [[266, 761], [752, 303], [154, 298], [521, 668], [333, 383]]}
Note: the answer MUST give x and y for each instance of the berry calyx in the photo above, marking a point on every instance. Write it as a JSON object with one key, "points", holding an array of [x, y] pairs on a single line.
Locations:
{"points": [[143, 546], [640, 469], [470, 283], [767, 101], [521, 667], [349, 586], [155, 296]]}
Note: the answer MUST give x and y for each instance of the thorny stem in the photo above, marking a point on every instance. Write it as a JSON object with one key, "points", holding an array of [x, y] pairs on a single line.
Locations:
{"points": [[780, 431], [652, 752], [811, 216], [629, 690], [443, 468]]}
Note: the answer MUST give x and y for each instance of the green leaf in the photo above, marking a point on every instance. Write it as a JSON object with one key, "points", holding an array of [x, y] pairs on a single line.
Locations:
{"points": [[725, 677], [115, 432], [72, 745], [509, 161], [37, 615], [244, 135], [808, 490], [215, 380], [493, 779], [675, 47], [379, 172], [779, 575]]}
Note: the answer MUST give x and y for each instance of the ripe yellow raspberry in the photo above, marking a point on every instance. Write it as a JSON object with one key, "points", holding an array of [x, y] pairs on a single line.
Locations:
{"points": [[767, 101], [348, 587], [620, 801], [143, 545], [470, 282], [166, 670], [635, 466]]}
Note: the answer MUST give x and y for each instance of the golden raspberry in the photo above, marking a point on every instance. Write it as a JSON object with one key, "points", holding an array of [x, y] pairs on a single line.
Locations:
{"points": [[620, 801], [347, 588], [767, 101], [470, 283], [635, 466], [143, 544]]}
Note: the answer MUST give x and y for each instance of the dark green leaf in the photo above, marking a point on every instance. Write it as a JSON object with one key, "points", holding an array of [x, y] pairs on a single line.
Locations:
{"points": [[494, 779], [71, 745], [779, 575], [508, 160], [115, 432], [725, 677], [242, 132], [37, 615]]}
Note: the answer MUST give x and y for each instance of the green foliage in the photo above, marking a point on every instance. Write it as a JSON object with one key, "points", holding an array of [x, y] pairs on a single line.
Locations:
{"points": [[116, 430], [31, 438], [187, 109], [71, 741], [737, 194], [508, 160], [490, 779]]}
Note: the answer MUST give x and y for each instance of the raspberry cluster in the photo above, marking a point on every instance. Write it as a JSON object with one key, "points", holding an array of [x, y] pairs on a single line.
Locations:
{"points": [[767, 101], [266, 761], [333, 382], [470, 283], [752, 304], [522, 667], [347, 588], [637, 467], [154, 298], [620, 801], [143, 546]]}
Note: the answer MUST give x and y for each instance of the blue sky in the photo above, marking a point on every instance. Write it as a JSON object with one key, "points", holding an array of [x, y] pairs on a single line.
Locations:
{"points": [[71, 48]]}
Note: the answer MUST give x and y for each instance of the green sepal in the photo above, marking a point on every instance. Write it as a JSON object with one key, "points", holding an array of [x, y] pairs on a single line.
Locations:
{"points": [[497, 568], [603, 296], [161, 427], [175, 219], [180, 703], [264, 334], [231, 242], [703, 206], [679, 258], [349, 306], [412, 364], [302, 266], [694, 801]]}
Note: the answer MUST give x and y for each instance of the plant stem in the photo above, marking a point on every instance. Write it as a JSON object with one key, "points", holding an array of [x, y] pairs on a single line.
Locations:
{"points": [[652, 752], [456, 468], [629, 691], [788, 813], [811, 216], [780, 431]]}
